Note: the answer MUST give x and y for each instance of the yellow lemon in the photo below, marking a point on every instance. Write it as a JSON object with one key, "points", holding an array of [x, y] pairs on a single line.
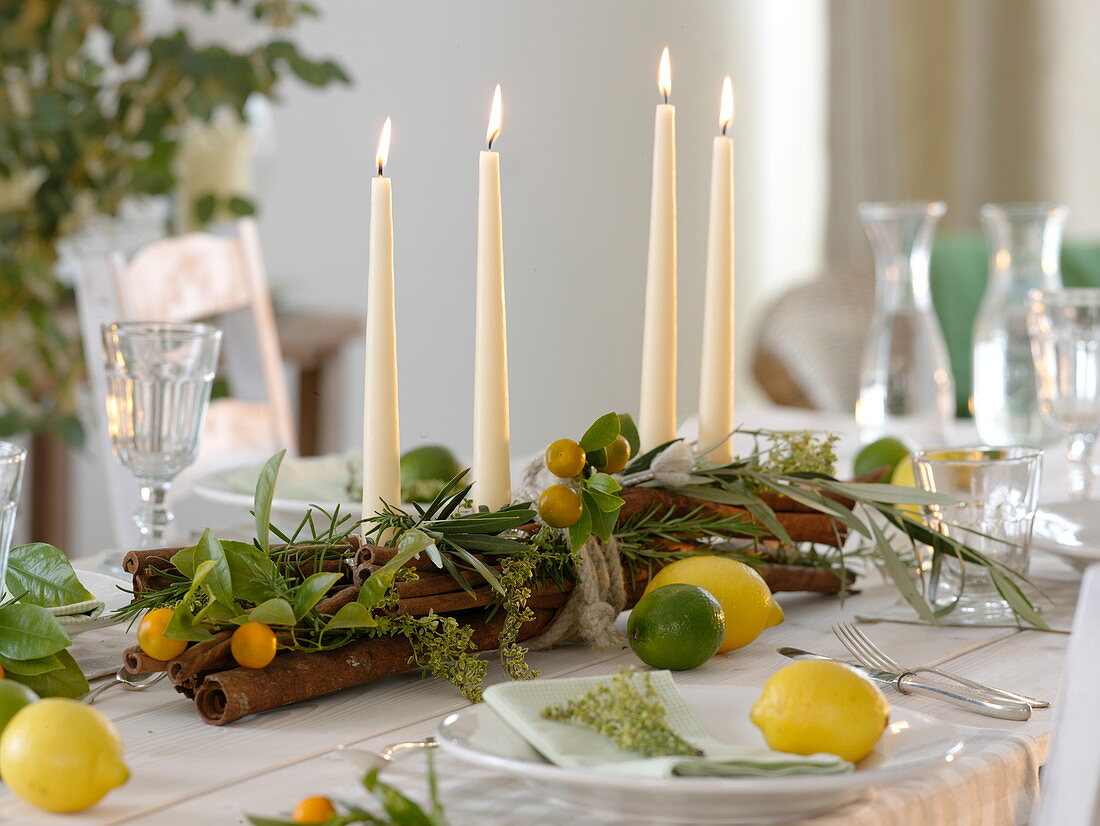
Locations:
{"points": [[815, 706], [61, 755], [903, 475], [744, 596]]}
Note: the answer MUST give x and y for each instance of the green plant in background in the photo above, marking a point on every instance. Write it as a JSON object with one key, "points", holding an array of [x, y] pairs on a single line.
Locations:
{"points": [[92, 107]]}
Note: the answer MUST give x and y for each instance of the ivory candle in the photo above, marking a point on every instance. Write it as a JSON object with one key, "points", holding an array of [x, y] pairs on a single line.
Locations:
{"points": [[381, 440], [716, 388], [657, 411], [492, 465]]}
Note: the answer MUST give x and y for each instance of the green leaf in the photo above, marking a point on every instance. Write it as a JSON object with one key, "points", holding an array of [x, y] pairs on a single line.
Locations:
{"points": [[401, 809], [312, 591], [251, 570], [723, 495], [352, 615], [886, 494], [67, 681], [629, 431], [219, 581], [28, 632], [265, 495], [241, 206], [44, 576], [596, 458], [603, 482], [411, 543], [204, 208], [602, 432], [603, 521], [481, 568], [580, 530], [184, 624], [899, 573], [275, 611], [39, 665]]}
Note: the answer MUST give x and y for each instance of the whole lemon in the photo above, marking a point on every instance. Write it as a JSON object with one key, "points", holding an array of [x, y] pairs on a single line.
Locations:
{"points": [[744, 596], [904, 476], [61, 755], [815, 706]]}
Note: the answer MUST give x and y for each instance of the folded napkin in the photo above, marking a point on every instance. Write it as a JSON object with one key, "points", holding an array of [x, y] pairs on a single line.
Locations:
{"points": [[78, 612], [520, 704]]}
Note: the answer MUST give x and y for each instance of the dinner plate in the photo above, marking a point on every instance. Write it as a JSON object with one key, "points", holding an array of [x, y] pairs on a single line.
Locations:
{"points": [[1070, 530], [912, 745], [325, 481]]}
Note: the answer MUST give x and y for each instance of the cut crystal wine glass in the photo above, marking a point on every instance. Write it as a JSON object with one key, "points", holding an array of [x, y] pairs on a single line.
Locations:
{"points": [[159, 377]]}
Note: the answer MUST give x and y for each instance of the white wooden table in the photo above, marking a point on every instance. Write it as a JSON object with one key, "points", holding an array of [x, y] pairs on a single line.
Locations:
{"points": [[186, 772]]}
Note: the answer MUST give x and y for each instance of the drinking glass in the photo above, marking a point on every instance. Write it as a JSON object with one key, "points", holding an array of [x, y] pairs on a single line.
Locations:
{"points": [[1064, 326], [995, 491], [12, 461], [158, 389]]}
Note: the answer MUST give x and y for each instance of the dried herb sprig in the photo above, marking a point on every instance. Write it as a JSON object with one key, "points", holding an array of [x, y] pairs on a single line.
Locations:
{"points": [[628, 711]]}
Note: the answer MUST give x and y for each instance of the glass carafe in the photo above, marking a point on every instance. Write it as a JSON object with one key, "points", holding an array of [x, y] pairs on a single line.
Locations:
{"points": [[906, 387], [1025, 243]]}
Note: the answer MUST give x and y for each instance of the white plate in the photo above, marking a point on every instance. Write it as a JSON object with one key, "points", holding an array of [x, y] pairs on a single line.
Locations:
{"points": [[314, 480], [1070, 530], [912, 745], [105, 588]]}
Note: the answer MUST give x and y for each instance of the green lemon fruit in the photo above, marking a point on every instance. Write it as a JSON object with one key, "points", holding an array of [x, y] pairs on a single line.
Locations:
{"points": [[676, 627], [13, 696], [428, 462], [884, 452]]}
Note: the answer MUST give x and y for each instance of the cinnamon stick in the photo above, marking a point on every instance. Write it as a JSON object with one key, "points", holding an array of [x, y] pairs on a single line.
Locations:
{"points": [[802, 527], [136, 661], [188, 669], [294, 676]]}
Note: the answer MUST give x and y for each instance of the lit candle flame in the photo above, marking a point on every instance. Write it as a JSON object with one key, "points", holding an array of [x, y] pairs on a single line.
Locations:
{"points": [[494, 119], [725, 113], [384, 146], [664, 75]]}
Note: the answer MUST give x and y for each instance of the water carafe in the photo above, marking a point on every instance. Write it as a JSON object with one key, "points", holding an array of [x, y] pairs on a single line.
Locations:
{"points": [[906, 385], [1025, 242]]}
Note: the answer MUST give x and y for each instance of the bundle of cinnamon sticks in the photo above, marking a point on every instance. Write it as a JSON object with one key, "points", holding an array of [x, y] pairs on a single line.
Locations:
{"points": [[224, 692]]}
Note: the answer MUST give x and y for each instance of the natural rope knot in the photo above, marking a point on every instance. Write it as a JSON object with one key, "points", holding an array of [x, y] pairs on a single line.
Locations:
{"points": [[597, 599]]}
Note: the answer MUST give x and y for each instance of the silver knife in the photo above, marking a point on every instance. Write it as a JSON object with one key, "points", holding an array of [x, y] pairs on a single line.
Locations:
{"points": [[908, 683]]}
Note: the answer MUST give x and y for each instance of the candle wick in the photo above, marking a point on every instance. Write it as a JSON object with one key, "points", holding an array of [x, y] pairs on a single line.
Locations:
{"points": [[725, 126], [379, 170], [491, 142], [665, 95]]}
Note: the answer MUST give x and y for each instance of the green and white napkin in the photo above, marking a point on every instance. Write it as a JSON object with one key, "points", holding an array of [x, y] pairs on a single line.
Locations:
{"points": [[520, 704]]}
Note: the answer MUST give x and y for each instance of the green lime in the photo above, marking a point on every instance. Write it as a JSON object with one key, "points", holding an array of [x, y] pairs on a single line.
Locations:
{"points": [[13, 696], [428, 462], [676, 627], [884, 452]]}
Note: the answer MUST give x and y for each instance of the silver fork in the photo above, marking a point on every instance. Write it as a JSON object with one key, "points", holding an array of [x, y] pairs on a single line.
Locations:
{"points": [[870, 655]]}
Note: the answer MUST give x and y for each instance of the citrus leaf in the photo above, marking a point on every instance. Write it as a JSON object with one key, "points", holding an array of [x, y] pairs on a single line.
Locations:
{"points": [[67, 681], [629, 431], [312, 591], [28, 632], [352, 615], [39, 665], [602, 432], [265, 495], [44, 576], [275, 611]]}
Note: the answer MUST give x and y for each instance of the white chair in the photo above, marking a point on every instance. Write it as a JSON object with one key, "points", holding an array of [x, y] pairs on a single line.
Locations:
{"points": [[1070, 784], [198, 276]]}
